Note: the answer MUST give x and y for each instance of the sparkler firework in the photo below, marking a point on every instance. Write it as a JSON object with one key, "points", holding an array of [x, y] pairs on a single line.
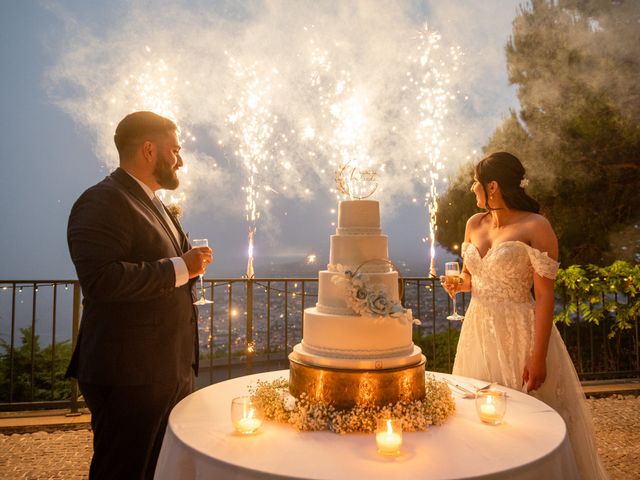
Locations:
{"points": [[156, 88], [251, 124], [343, 109], [294, 106], [429, 78]]}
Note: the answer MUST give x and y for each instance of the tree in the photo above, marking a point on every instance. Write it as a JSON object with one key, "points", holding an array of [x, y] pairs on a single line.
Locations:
{"points": [[454, 208], [576, 65], [48, 370]]}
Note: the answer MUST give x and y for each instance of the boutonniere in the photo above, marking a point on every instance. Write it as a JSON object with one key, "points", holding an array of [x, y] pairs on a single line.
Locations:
{"points": [[175, 210]]}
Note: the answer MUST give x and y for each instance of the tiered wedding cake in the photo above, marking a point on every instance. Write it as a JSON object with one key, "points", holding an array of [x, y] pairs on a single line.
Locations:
{"points": [[357, 347]]}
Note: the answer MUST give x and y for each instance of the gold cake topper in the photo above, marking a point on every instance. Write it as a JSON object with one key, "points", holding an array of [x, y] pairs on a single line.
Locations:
{"points": [[355, 182]]}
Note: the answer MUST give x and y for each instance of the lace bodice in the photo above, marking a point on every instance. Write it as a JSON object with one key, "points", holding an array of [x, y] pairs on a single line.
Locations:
{"points": [[505, 273]]}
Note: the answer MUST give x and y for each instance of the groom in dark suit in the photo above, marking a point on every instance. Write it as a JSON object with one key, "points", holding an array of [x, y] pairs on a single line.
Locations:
{"points": [[138, 342]]}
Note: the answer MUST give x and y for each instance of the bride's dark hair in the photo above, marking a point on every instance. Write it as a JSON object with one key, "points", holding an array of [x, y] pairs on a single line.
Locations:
{"points": [[508, 171]]}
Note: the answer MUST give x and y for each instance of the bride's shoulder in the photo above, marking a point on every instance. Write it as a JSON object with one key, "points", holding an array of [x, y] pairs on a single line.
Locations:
{"points": [[476, 220], [541, 235], [537, 221]]}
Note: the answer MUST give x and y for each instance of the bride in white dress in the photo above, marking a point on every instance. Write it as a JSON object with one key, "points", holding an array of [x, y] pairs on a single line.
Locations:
{"points": [[506, 337]]}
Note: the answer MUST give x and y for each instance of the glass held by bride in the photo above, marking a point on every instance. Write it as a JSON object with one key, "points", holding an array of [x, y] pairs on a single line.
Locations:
{"points": [[451, 280]]}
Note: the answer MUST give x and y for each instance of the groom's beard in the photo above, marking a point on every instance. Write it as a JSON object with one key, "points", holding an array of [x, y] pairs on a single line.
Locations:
{"points": [[165, 174]]}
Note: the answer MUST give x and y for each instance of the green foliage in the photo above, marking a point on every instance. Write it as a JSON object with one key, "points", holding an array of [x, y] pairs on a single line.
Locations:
{"points": [[594, 292], [577, 129], [48, 373]]}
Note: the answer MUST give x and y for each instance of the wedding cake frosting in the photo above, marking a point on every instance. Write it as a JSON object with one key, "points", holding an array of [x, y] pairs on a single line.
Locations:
{"points": [[358, 322]]}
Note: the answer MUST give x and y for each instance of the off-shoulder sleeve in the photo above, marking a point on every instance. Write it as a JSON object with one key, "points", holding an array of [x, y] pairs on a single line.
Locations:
{"points": [[464, 248], [542, 263]]}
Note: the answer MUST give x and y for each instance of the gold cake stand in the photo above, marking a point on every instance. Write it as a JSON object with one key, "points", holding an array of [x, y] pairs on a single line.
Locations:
{"points": [[345, 389]]}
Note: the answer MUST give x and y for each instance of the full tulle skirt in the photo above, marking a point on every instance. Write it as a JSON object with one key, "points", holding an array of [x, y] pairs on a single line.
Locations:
{"points": [[496, 341]]}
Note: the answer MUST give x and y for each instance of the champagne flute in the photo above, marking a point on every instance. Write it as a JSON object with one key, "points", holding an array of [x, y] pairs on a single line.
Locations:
{"points": [[201, 242], [452, 277]]}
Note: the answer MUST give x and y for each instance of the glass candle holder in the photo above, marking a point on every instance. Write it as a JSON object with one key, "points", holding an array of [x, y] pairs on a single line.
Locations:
{"points": [[491, 406], [389, 436], [246, 418]]}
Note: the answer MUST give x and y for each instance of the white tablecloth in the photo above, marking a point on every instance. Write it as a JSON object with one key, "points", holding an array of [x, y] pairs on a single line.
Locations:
{"points": [[200, 443]]}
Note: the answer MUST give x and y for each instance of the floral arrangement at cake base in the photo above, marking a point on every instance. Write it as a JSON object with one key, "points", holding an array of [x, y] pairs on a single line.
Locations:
{"points": [[277, 404]]}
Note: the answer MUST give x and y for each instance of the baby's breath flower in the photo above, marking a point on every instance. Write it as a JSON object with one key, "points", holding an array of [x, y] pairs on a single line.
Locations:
{"points": [[278, 405]]}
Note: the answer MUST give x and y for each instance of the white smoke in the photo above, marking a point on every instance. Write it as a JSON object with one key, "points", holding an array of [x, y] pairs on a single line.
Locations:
{"points": [[175, 58]]}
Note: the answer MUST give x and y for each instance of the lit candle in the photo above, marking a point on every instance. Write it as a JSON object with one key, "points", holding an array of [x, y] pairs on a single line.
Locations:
{"points": [[245, 417], [491, 406], [389, 437], [248, 425], [488, 409]]}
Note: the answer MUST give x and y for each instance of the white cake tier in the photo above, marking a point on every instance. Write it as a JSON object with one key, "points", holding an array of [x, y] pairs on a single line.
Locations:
{"points": [[331, 297], [301, 355], [358, 217], [355, 250], [355, 337]]}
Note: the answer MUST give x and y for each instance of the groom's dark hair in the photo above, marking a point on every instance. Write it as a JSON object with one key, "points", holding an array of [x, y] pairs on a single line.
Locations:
{"points": [[136, 128], [507, 170]]}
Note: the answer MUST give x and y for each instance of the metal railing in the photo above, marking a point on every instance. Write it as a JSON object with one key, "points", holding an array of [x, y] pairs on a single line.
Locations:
{"points": [[32, 374], [251, 327]]}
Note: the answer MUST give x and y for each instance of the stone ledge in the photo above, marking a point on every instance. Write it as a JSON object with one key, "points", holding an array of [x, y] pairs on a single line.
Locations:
{"points": [[603, 388], [43, 420]]}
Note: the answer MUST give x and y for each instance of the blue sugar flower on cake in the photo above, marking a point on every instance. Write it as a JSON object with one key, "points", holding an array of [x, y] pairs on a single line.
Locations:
{"points": [[369, 299]]}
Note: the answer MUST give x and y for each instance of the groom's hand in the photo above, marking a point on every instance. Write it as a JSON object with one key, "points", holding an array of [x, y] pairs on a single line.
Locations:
{"points": [[197, 259]]}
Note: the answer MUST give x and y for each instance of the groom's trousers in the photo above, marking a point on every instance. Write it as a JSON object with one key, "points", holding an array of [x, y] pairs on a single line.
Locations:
{"points": [[128, 424]]}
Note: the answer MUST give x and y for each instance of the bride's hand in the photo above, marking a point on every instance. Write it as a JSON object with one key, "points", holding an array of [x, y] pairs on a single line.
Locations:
{"points": [[450, 288], [535, 373], [453, 288]]}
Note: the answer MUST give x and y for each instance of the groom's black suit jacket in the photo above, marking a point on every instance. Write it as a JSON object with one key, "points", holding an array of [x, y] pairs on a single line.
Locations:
{"points": [[136, 327]]}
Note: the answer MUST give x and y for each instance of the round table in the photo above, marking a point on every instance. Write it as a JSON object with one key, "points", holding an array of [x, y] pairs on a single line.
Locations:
{"points": [[200, 443]]}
